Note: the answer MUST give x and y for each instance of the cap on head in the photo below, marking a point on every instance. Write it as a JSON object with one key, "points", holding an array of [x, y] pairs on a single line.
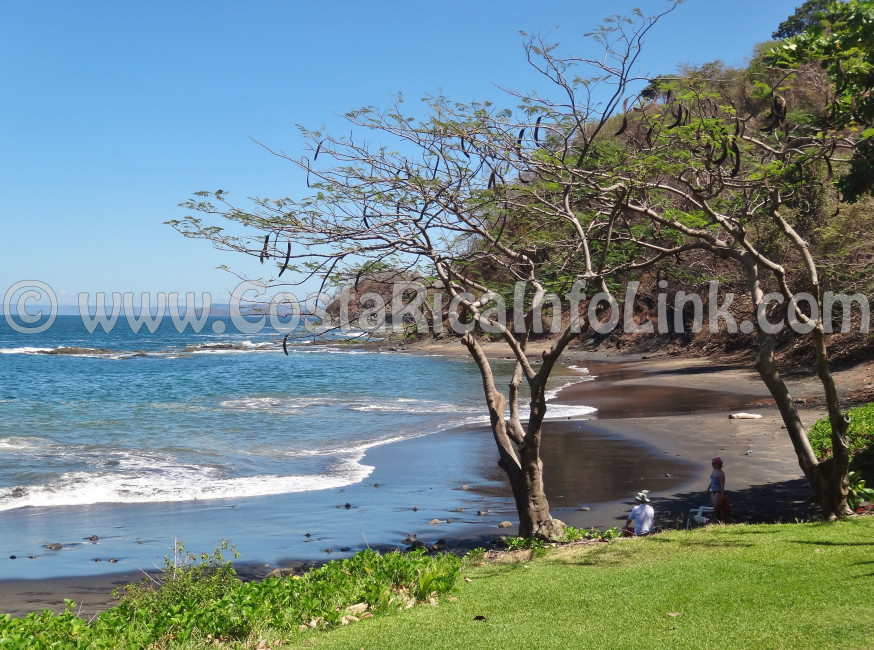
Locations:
{"points": [[717, 461]]}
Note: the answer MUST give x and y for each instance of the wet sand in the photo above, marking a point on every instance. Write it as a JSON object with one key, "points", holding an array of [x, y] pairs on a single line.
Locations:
{"points": [[659, 422]]}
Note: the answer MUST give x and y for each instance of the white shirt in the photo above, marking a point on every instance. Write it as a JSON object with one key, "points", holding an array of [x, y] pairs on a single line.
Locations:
{"points": [[642, 514]]}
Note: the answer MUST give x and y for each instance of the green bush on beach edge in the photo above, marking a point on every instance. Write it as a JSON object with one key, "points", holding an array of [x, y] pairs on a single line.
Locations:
{"points": [[860, 433], [198, 600]]}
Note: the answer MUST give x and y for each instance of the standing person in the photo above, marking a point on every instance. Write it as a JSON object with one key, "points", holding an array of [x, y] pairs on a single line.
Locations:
{"points": [[717, 489], [642, 514]]}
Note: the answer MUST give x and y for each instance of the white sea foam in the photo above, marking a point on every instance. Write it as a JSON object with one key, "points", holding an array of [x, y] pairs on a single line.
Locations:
{"points": [[274, 404], [175, 483], [568, 411], [75, 351], [399, 405], [413, 406], [179, 406], [355, 452], [232, 346], [25, 350], [553, 392], [327, 349], [22, 444]]}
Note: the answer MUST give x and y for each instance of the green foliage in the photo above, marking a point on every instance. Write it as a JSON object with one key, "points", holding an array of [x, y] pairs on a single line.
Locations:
{"points": [[199, 599], [858, 493], [571, 534], [860, 433], [842, 40], [475, 556], [525, 543], [805, 17], [185, 577]]}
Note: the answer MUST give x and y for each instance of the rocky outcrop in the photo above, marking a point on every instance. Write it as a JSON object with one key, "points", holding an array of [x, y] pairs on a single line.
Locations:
{"points": [[551, 530]]}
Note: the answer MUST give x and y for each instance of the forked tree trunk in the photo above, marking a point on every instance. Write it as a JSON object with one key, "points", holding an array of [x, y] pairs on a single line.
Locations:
{"points": [[827, 479], [831, 483], [519, 452], [526, 481]]}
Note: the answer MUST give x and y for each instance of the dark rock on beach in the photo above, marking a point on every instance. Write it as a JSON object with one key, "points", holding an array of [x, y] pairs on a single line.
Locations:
{"points": [[551, 530]]}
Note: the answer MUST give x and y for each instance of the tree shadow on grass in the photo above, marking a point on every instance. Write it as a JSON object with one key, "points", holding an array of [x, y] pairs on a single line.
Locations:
{"points": [[804, 541], [770, 503], [604, 555], [713, 543]]}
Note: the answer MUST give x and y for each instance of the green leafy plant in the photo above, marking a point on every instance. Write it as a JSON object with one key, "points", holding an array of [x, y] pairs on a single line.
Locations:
{"points": [[860, 433], [858, 493], [525, 543], [198, 601], [475, 556]]}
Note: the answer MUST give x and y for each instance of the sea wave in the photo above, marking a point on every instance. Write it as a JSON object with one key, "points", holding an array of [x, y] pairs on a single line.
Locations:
{"points": [[77, 351], [568, 411], [327, 349], [174, 483], [276, 404], [413, 406], [22, 443], [25, 350], [399, 405], [220, 347], [553, 392]]}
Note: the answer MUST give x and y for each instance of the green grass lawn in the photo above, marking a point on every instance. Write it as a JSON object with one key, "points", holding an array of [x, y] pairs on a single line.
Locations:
{"points": [[768, 586]]}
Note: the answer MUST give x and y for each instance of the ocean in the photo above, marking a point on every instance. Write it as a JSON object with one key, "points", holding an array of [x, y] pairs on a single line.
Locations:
{"points": [[148, 422]]}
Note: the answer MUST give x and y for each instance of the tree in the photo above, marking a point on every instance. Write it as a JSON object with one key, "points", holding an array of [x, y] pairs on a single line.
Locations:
{"points": [[744, 188], [841, 41], [490, 204], [805, 17]]}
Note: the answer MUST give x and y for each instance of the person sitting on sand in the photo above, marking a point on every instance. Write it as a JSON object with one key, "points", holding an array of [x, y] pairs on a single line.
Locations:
{"points": [[642, 514], [717, 490]]}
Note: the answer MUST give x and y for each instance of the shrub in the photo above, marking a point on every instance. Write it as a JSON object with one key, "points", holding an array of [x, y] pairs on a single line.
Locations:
{"points": [[860, 433], [199, 599]]}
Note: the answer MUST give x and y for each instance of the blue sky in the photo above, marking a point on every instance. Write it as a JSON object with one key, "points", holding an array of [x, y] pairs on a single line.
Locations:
{"points": [[115, 112]]}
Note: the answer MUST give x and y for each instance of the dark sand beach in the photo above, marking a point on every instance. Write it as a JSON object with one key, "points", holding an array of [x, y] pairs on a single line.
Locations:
{"points": [[658, 424]]}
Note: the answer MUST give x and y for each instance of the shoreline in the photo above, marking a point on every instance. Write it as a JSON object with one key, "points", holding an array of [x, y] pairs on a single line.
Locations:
{"points": [[635, 415]]}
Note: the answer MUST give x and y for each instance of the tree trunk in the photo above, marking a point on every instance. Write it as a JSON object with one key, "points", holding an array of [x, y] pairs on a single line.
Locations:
{"points": [[526, 481], [834, 471], [519, 456], [826, 478]]}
